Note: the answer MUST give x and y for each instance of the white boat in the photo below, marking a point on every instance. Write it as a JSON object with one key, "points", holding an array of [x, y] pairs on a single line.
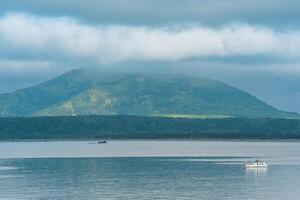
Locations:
{"points": [[256, 164]]}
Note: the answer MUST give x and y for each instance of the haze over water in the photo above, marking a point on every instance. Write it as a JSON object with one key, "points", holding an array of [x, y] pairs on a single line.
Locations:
{"points": [[148, 170]]}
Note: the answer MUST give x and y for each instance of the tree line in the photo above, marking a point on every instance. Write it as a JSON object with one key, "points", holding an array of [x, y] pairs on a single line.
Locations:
{"points": [[137, 127]]}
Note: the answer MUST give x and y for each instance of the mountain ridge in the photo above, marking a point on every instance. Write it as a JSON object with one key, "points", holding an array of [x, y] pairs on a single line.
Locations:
{"points": [[80, 92]]}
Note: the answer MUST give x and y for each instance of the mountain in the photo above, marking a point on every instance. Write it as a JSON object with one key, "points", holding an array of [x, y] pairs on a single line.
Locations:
{"points": [[80, 92]]}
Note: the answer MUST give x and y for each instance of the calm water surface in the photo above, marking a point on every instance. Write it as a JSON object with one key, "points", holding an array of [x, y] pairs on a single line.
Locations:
{"points": [[148, 170]]}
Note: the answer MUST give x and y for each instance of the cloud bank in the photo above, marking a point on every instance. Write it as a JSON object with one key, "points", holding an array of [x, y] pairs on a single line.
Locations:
{"points": [[30, 37]]}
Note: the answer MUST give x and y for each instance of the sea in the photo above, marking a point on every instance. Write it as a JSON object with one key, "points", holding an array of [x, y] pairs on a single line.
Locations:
{"points": [[149, 169]]}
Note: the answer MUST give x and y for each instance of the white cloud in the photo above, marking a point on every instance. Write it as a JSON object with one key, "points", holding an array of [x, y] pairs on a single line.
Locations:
{"points": [[33, 37]]}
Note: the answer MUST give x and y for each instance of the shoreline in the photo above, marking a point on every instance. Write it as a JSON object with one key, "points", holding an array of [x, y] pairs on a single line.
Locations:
{"points": [[153, 140]]}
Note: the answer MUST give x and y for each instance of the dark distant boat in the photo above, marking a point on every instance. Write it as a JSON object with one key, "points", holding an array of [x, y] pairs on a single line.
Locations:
{"points": [[102, 142]]}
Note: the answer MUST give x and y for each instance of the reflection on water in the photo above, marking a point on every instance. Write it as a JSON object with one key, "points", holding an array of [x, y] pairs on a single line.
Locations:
{"points": [[256, 171], [2, 168]]}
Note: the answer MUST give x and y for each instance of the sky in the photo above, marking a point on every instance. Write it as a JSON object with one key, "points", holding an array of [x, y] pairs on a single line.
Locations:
{"points": [[253, 45]]}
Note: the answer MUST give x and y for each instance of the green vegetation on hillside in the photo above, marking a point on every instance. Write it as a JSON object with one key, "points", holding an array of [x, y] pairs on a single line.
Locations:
{"points": [[134, 127], [80, 92]]}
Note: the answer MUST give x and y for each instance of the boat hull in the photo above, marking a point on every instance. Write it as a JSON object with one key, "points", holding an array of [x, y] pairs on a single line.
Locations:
{"points": [[256, 164]]}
